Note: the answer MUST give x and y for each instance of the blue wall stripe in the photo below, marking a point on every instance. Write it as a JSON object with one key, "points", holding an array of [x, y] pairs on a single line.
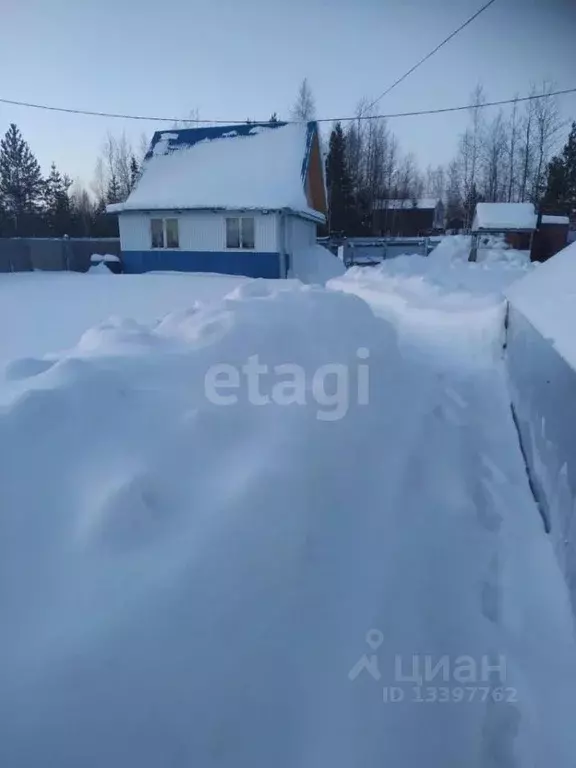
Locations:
{"points": [[223, 262]]}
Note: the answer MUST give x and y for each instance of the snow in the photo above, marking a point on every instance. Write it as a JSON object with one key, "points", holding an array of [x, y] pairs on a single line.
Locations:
{"points": [[543, 386], [259, 171], [455, 305], [107, 258], [502, 216], [492, 249], [425, 203], [546, 298], [45, 312], [192, 584], [564, 220], [315, 265], [542, 370]]}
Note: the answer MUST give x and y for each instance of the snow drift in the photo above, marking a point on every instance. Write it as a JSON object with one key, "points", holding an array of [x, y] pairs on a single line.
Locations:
{"points": [[315, 265], [542, 369], [187, 583]]}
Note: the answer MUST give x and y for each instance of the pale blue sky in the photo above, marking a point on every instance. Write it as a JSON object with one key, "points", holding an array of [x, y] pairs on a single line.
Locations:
{"points": [[232, 59]]}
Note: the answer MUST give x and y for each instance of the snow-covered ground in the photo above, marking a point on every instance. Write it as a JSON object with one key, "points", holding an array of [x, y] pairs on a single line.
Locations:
{"points": [[442, 305], [252, 584], [44, 312]]}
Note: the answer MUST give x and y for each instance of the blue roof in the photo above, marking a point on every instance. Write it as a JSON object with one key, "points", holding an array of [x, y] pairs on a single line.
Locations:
{"points": [[233, 167], [188, 137]]}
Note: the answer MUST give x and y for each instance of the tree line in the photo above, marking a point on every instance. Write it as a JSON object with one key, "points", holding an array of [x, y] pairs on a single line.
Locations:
{"points": [[511, 157], [33, 205], [508, 158]]}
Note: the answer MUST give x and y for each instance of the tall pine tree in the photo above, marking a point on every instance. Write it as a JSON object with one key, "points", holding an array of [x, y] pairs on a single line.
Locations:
{"points": [[340, 199], [57, 206], [560, 196], [21, 183], [134, 172]]}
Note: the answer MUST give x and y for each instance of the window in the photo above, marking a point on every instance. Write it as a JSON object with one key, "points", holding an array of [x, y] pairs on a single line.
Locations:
{"points": [[172, 233], [240, 233], [157, 232], [164, 233], [232, 233], [247, 229]]}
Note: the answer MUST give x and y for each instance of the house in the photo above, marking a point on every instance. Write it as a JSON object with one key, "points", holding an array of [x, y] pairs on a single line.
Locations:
{"points": [[408, 218], [235, 199], [516, 222]]}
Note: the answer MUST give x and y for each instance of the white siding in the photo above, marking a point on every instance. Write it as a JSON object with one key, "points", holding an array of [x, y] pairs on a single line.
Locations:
{"points": [[198, 230]]}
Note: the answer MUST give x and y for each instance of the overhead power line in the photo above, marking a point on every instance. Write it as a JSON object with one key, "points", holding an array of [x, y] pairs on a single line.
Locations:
{"points": [[345, 119], [441, 110], [429, 55]]}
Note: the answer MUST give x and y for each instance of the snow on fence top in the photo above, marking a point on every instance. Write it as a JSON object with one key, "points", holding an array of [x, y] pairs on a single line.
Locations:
{"points": [[504, 216], [425, 203], [545, 297], [231, 167]]}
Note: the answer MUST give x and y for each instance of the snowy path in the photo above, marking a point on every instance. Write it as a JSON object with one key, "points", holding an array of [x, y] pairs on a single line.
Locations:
{"points": [[462, 486], [190, 584]]}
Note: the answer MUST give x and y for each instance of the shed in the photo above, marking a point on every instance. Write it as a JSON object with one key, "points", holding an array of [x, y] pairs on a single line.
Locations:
{"points": [[236, 199], [551, 236], [515, 221], [408, 217]]}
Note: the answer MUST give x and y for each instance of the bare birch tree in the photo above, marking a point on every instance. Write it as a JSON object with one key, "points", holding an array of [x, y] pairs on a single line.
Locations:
{"points": [[304, 108]]}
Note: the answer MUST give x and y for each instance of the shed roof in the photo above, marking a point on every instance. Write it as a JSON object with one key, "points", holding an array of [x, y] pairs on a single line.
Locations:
{"points": [[248, 166], [502, 217], [561, 220]]}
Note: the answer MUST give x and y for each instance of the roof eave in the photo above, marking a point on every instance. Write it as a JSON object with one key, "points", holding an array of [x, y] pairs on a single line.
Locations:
{"points": [[309, 214]]}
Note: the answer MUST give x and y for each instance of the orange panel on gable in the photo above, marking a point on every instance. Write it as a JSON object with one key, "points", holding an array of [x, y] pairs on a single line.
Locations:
{"points": [[315, 190]]}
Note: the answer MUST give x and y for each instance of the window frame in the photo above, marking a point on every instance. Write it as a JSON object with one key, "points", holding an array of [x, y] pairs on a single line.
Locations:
{"points": [[242, 239], [165, 246]]}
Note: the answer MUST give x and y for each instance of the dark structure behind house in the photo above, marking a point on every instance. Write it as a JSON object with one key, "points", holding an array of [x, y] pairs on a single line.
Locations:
{"points": [[408, 218]]}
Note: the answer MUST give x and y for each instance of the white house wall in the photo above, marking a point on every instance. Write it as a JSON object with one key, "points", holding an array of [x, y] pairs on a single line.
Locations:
{"points": [[198, 230], [301, 233]]}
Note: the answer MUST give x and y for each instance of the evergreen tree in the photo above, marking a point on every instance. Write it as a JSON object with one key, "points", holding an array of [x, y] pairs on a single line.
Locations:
{"points": [[113, 193], [57, 206], [340, 201], [273, 118], [560, 196], [134, 172], [21, 183]]}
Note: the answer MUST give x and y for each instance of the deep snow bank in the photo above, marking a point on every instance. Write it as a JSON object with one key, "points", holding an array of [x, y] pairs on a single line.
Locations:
{"points": [[43, 312], [458, 305], [541, 363], [315, 265], [171, 583], [190, 584], [492, 249]]}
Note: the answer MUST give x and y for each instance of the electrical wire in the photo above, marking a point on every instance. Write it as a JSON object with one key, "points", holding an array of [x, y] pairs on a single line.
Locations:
{"points": [[390, 115], [429, 55]]}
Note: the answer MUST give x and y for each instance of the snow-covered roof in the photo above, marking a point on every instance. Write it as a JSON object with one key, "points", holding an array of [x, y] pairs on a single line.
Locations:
{"points": [[250, 166], [556, 220], [504, 216], [424, 203]]}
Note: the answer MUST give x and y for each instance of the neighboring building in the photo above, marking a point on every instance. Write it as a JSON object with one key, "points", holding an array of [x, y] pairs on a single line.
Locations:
{"points": [[551, 237], [515, 221], [542, 235], [236, 199], [408, 218]]}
